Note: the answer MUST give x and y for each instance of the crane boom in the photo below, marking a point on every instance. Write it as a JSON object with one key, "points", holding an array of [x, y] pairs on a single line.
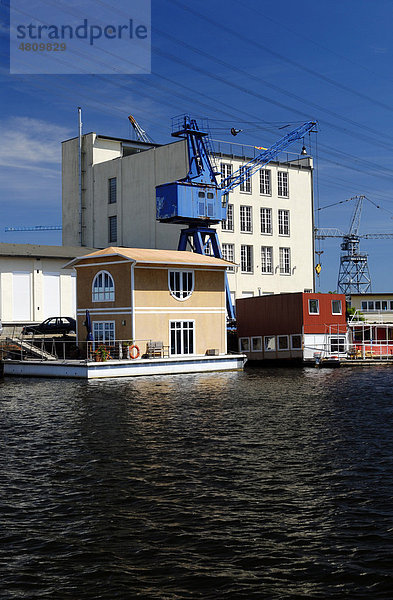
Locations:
{"points": [[332, 232], [269, 154], [141, 133], [376, 236], [34, 228], [328, 232], [357, 213]]}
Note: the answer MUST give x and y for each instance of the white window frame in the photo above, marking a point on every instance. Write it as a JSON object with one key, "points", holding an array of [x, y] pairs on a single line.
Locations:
{"points": [[267, 260], [283, 222], [278, 343], [285, 261], [313, 312], [340, 312], [266, 220], [283, 184], [255, 341], [182, 329], [246, 258], [184, 292], [228, 253], [244, 344], [341, 342], [245, 219], [245, 186], [208, 250], [265, 182], [226, 171], [103, 293], [299, 335], [227, 224], [269, 343], [107, 340]]}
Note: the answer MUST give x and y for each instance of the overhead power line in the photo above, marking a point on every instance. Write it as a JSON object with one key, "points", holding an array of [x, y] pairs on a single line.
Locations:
{"points": [[238, 35]]}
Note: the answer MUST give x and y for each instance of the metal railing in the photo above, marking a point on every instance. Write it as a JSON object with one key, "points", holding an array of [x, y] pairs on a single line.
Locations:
{"points": [[371, 351], [41, 348]]}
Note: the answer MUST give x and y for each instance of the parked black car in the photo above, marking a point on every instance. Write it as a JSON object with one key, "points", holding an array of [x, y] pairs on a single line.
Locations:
{"points": [[62, 325]]}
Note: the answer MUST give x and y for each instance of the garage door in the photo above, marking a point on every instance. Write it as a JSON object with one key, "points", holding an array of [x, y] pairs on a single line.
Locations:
{"points": [[51, 295], [21, 296]]}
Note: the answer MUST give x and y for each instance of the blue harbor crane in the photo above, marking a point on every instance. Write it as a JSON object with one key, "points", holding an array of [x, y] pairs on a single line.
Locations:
{"points": [[199, 200]]}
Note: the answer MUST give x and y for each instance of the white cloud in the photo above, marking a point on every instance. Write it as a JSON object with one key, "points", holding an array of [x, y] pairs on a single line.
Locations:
{"points": [[31, 143]]}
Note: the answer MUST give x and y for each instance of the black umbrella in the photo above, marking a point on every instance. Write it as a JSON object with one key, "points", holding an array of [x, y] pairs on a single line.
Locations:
{"points": [[89, 336]]}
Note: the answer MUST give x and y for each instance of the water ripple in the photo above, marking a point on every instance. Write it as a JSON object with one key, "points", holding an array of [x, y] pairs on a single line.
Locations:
{"points": [[273, 484]]}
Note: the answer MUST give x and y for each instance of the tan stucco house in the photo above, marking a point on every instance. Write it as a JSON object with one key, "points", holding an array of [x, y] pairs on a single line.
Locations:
{"points": [[148, 295]]}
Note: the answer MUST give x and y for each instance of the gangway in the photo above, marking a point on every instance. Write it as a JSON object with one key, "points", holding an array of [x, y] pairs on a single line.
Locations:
{"points": [[29, 347]]}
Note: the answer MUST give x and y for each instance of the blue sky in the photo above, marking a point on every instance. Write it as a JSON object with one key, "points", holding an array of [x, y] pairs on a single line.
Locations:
{"points": [[248, 64]]}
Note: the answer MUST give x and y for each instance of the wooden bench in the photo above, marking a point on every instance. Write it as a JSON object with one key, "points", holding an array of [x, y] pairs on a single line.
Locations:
{"points": [[156, 350]]}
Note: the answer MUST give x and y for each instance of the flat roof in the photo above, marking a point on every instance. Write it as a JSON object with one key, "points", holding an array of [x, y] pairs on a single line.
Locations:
{"points": [[43, 251], [367, 294], [154, 256], [115, 139]]}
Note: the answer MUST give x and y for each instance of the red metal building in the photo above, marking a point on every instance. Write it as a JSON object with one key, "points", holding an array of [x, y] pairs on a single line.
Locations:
{"points": [[299, 325]]}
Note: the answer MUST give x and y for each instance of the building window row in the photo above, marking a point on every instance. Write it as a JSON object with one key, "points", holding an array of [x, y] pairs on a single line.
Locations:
{"points": [[180, 283], [269, 343], [376, 305], [266, 220], [313, 306], [267, 265], [265, 181], [182, 335]]}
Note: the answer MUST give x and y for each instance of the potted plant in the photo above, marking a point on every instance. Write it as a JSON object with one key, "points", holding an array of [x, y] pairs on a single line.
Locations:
{"points": [[101, 354]]}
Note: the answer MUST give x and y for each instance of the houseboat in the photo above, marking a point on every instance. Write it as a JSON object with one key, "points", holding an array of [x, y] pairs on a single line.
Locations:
{"points": [[141, 312], [299, 327]]}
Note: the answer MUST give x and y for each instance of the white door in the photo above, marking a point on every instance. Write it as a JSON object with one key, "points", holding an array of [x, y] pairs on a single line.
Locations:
{"points": [[21, 301], [73, 292], [51, 295]]}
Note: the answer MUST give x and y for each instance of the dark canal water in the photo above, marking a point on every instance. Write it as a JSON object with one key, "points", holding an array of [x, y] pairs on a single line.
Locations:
{"points": [[273, 484]]}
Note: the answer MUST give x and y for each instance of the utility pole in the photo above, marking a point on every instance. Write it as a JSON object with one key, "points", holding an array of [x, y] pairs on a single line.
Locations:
{"points": [[80, 175]]}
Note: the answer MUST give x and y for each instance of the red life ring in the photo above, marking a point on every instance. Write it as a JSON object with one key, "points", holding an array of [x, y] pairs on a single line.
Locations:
{"points": [[131, 353]]}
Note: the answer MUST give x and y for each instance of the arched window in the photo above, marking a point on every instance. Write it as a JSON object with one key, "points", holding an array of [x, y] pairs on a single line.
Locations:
{"points": [[181, 284], [103, 287]]}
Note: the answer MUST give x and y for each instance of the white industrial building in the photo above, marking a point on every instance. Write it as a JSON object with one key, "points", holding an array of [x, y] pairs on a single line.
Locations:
{"points": [[34, 284], [268, 232]]}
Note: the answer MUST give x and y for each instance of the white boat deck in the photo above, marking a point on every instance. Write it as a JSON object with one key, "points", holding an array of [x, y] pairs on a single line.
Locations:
{"points": [[84, 369]]}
